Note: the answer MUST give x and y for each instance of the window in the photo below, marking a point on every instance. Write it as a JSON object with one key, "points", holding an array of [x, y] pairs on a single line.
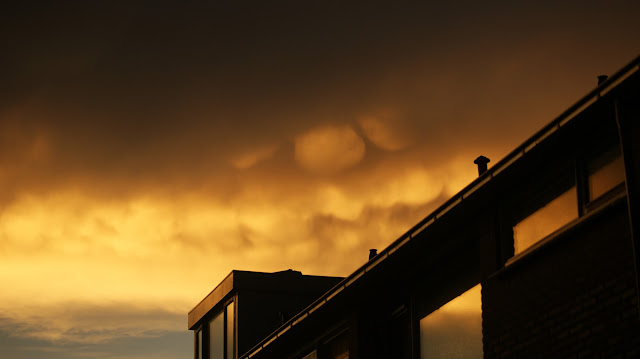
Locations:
{"points": [[216, 337], [400, 333], [219, 334], [230, 333], [558, 201], [545, 220], [334, 348], [604, 173], [454, 331]]}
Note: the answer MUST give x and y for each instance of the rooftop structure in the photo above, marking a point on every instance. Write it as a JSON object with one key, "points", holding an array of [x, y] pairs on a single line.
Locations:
{"points": [[247, 306]]}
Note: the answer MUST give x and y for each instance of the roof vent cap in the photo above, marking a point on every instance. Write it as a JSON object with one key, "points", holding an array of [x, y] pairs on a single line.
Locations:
{"points": [[372, 253], [481, 161], [602, 79]]}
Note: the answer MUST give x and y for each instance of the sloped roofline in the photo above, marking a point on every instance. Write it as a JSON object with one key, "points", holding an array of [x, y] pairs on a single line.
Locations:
{"points": [[564, 118]]}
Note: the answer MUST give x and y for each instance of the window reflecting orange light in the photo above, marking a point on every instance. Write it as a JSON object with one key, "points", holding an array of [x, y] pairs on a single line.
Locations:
{"points": [[216, 337], [454, 331], [606, 177], [555, 214]]}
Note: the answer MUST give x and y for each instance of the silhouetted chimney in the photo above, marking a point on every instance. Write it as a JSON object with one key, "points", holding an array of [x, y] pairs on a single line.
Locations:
{"points": [[372, 253], [601, 79], [482, 161]]}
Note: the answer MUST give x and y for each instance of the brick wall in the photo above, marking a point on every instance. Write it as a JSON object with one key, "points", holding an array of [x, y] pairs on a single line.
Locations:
{"points": [[575, 298]]}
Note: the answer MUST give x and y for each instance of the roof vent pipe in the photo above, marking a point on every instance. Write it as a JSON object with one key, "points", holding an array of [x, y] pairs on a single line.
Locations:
{"points": [[602, 79], [372, 253], [481, 161]]}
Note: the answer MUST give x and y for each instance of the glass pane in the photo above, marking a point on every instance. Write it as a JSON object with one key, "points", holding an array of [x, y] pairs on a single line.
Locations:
{"points": [[400, 336], [230, 331], [337, 348], [216, 337], [606, 177], [454, 331], [555, 214]]}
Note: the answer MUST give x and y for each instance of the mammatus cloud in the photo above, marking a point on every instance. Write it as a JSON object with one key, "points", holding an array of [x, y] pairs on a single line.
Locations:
{"points": [[248, 159], [329, 149], [173, 249], [381, 131]]}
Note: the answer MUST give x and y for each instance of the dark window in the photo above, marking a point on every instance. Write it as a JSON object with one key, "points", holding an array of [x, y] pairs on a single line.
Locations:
{"points": [[400, 333], [335, 348]]}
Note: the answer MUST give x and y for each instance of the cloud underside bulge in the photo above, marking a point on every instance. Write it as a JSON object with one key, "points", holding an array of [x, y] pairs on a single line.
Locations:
{"points": [[329, 149], [173, 247], [103, 100]]}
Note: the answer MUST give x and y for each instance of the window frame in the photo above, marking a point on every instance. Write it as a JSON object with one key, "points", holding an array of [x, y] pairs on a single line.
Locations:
{"points": [[533, 195], [590, 166], [198, 350], [203, 343], [581, 168]]}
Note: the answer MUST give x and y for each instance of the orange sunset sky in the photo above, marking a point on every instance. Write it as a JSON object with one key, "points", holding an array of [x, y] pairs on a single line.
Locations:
{"points": [[147, 148]]}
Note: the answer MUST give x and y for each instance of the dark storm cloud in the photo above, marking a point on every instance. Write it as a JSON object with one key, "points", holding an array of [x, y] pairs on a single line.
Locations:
{"points": [[125, 92]]}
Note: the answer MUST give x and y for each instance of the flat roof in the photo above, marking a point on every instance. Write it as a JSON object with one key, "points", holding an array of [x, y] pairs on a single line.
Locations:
{"points": [[284, 281]]}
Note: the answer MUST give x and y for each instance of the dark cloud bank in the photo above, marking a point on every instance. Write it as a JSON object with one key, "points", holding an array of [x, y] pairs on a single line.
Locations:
{"points": [[121, 93]]}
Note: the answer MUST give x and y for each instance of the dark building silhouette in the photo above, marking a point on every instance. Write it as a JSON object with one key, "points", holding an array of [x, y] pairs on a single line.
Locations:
{"points": [[248, 306], [536, 258]]}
